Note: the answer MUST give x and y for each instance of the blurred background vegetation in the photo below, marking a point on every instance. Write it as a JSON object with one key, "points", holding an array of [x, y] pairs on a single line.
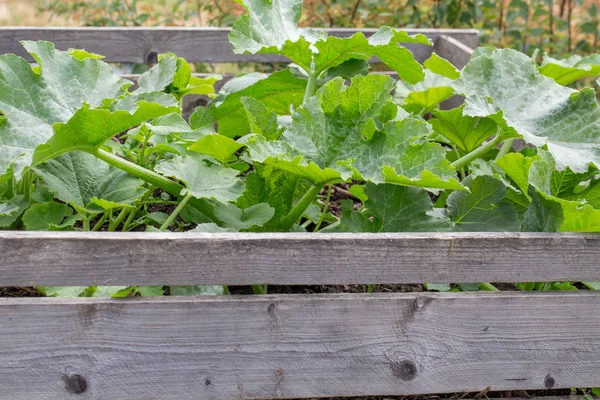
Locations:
{"points": [[559, 27]]}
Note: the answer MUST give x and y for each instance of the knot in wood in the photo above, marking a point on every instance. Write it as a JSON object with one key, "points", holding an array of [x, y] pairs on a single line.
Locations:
{"points": [[549, 381], [404, 369], [76, 384], [152, 57]]}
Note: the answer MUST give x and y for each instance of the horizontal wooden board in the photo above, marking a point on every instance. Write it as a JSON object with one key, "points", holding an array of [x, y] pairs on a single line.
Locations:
{"points": [[453, 50], [268, 347], [141, 45], [103, 258]]}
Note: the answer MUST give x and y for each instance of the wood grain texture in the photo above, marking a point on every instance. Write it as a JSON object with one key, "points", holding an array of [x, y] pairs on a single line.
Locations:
{"points": [[453, 50], [267, 347], [142, 258], [141, 45]]}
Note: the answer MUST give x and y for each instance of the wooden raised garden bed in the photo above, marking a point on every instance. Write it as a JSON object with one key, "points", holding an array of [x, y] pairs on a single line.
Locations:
{"points": [[288, 346]]}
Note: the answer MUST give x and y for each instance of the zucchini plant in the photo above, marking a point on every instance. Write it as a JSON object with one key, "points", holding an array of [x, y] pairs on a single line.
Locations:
{"points": [[80, 150]]}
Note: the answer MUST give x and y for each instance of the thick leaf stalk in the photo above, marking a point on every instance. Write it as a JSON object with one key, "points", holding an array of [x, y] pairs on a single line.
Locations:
{"points": [[169, 186], [296, 212], [477, 153]]}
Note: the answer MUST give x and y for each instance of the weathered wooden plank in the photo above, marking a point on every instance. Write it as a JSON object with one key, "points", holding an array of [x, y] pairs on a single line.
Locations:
{"points": [[77, 258], [267, 347], [453, 50], [141, 45]]}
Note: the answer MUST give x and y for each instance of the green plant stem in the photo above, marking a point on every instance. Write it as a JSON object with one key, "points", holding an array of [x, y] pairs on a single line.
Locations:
{"points": [[175, 212], [10, 188], [204, 206], [100, 223], [259, 289], [27, 183], [477, 153], [461, 170], [539, 286], [142, 158], [114, 224], [506, 147], [130, 218], [488, 287], [311, 86], [325, 208], [86, 223], [301, 206]]}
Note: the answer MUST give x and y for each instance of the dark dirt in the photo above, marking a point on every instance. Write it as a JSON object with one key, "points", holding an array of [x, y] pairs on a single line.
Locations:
{"points": [[19, 292], [475, 395]]}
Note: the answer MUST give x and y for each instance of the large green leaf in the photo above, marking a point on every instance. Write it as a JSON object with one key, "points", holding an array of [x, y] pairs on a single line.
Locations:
{"points": [[482, 210], [11, 210], [158, 77], [547, 187], [89, 184], [203, 180], [424, 96], [271, 26], [277, 92], [43, 216], [571, 69], [274, 187], [235, 218], [441, 66], [384, 44], [64, 90], [466, 132], [506, 86], [174, 75], [349, 132], [397, 209], [262, 121], [543, 214], [32, 102], [90, 128]]}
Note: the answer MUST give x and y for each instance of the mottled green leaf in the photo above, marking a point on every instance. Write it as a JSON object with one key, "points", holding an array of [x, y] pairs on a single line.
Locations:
{"points": [[482, 210], [271, 26], [203, 180], [274, 187], [32, 102], [397, 209], [11, 210], [571, 69], [80, 179], [506, 86], [349, 132], [158, 77], [262, 121], [238, 219]]}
